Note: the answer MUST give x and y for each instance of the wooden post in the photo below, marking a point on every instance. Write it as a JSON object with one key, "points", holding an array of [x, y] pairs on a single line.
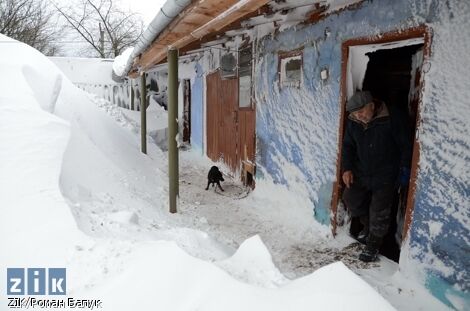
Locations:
{"points": [[173, 128], [132, 95], [143, 113]]}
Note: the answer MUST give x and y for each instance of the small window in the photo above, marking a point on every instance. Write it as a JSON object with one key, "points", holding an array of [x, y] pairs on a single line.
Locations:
{"points": [[244, 77], [290, 70]]}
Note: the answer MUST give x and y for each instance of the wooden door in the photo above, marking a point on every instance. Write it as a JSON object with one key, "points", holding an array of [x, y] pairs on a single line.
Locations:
{"points": [[222, 120], [212, 121], [247, 138]]}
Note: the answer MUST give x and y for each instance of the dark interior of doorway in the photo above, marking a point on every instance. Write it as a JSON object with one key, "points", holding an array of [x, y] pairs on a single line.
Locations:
{"points": [[187, 111], [388, 78]]}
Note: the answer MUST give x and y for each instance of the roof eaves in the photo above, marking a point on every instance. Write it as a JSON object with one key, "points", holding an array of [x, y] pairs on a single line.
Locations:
{"points": [[168, 12]]}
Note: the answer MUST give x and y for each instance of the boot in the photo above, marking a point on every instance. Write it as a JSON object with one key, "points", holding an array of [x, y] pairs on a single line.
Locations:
{"points": [[364, 233], [369, 254], [371, 251]]}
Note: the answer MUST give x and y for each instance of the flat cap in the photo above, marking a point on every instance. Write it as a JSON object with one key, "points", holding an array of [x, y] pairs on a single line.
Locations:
{"points": [[358, 100]]}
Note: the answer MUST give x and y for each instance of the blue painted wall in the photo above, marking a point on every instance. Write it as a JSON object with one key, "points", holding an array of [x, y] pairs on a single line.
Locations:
{"points": [[197, 125], [297, 128]]}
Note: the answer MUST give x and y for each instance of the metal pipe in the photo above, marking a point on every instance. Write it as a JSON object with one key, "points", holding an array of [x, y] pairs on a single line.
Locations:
{"points": [[173, 174], [167, 13], [143, 113]]}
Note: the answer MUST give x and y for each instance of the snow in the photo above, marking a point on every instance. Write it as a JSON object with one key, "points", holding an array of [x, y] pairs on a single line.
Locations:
{"points": [[120, 62], [77, 193], [95, 75], [145, 8], [336, 5], [87, 71], [191, 284], [32, 144]]}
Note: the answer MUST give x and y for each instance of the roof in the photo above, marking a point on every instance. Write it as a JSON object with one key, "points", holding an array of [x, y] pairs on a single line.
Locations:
{"points": [[87, 70], [203, 20]]}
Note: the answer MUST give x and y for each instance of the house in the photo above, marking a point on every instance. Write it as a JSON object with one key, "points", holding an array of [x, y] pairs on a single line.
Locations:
{"points": [[263, 84]]}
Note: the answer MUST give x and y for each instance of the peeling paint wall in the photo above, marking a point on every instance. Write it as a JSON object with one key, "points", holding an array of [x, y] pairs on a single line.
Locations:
{"points": [[297, 128], [197, 127]]}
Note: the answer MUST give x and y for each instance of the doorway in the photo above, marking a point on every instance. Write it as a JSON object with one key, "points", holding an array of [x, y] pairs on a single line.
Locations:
{"points": [[230, 127], [389, 78], [390, 68], [187, 111]]}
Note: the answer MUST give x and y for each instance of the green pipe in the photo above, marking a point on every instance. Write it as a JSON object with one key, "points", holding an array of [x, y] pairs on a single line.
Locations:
{"points": [[173, 128], [143, 113]]}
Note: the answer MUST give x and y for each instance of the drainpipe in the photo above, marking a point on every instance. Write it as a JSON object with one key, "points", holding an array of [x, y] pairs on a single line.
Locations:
{"points": [[173, 173], [168, 12], [143, 113]]}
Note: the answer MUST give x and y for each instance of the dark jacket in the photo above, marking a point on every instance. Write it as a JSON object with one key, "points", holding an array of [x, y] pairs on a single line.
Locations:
{"points": [[376, 151]]}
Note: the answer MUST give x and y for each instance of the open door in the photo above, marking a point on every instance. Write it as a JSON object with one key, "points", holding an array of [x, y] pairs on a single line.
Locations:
{"points": [[392, 74]]}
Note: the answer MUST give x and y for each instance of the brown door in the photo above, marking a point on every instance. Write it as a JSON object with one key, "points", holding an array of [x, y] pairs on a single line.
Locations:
{"points": [[222, 120], [246, 121]]}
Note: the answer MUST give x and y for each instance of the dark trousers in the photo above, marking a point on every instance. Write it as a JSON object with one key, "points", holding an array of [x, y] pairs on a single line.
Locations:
{"points": [[376, 204]]}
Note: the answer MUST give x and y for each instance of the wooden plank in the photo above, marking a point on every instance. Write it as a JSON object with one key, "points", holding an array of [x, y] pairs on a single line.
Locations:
{"points": [[206, 9], [337, 185], [251, 135], [229, 16], [198, 20], [265, 9], [410, 202], [228, 110], [212, 119]]}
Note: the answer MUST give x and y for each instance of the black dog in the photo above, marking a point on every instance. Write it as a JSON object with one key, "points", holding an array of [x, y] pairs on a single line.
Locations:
{"points": [[214, 177]]}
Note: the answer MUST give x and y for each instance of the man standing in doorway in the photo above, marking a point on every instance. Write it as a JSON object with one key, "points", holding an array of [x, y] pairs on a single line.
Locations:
{"points": [[375, 160]]}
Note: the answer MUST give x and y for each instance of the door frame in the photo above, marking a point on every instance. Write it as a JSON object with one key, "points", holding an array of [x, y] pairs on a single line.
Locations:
{"points": [[397, 35]]}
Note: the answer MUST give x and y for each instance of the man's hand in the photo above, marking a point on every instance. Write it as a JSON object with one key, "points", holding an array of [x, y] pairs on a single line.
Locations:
{"points": [[348, 178]]}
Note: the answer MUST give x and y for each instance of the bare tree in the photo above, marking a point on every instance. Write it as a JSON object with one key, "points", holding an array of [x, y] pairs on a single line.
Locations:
{"points": [[31, 22], [107, 29]]}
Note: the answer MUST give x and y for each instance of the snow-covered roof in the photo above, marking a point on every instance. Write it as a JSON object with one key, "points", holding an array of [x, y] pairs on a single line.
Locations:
{"points": [[167, 13], [86, 70], [196, 23]]}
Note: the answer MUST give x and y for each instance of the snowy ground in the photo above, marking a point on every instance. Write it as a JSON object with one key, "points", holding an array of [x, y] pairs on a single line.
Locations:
{"points": [[297, 243], [76, 192]]}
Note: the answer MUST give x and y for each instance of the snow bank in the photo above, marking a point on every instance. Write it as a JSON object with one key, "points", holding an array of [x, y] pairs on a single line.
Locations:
{"points": [[86, 70], [32, 145], [169, 279], [252, 263], [120, 62]]}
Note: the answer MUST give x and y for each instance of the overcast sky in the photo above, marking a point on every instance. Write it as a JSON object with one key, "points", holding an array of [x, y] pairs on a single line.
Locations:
{"points": [[147, 8]]}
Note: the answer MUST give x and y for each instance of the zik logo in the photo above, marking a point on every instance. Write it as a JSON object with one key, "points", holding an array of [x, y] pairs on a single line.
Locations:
{"points": [[34, 281]]}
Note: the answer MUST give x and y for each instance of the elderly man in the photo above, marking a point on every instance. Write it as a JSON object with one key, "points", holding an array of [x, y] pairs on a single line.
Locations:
{"points": [[375, 157]]}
